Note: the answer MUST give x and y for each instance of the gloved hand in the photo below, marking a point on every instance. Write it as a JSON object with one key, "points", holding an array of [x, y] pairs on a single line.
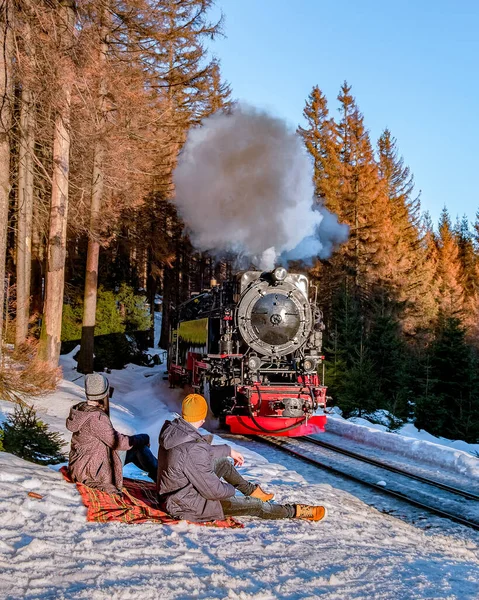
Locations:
{"points": [[140, 440]]}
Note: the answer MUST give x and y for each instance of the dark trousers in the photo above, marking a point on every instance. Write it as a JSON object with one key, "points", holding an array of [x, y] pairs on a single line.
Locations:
{"points": [[144, 459], [240, 506]]}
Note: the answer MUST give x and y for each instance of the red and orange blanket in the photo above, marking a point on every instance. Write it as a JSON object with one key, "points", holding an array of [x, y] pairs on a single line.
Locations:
{"points": [[137, 504]]}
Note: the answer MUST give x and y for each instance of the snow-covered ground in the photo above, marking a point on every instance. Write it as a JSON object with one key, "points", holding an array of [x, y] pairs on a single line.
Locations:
{"points": [[48, 550], [407, 430]]}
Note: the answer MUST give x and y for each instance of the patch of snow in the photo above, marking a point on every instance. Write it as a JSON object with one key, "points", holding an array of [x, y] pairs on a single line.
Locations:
{"points": [[158, 317], [433, 453]]}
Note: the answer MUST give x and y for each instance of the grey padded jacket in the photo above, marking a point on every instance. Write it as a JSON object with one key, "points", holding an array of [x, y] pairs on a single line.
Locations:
{"points": [[187, 485]]}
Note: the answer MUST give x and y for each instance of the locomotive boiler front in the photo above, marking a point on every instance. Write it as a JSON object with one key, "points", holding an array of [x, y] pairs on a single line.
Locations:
{"points": [[253, 344], [273, 315], [280, 331]]}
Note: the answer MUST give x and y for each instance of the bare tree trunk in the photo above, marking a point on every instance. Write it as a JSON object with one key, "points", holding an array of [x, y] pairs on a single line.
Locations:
{"points": [[85, 360], [38, 257], [50, 339], [151, 288], [6, 89], [41, 203], [167, 306], [25, 214]]}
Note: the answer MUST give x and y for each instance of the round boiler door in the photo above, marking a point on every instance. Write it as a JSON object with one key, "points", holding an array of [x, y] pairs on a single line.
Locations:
{"points": [[276, 319]]}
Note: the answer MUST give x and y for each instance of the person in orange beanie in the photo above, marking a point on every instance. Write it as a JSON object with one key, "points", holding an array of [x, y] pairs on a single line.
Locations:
{"points": [[197, 480]]}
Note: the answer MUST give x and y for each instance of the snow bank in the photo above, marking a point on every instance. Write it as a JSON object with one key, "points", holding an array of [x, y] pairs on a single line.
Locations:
{"points": [[421, 450]]}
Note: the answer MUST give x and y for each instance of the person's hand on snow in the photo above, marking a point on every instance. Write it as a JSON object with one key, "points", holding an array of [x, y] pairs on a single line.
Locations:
{"points": [[237, 458]]}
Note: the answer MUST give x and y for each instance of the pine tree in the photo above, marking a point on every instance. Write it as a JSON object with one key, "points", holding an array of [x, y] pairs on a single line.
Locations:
{"points": [[362, 203], [405, 270], [319, 138], [350, 372], [360, 394], [451, 290], [428, 264], [469, 275], [26, 436], [218, 97], [388, 354], [475, 234], [449, 404]]}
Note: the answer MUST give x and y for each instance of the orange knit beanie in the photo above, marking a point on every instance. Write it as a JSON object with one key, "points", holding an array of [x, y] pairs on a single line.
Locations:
{"points": [[194, 408]]}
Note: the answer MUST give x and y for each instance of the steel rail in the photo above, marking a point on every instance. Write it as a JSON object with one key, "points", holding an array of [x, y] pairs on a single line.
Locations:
{"points": [[277, 444], [378, 463]]}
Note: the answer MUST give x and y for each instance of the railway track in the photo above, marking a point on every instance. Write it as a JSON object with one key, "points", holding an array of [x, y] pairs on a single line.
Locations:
{"points": [[306, 450], [448, 488]]}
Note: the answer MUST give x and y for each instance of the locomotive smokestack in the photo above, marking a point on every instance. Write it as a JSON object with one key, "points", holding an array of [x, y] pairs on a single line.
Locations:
{"points": [[244, 183]]}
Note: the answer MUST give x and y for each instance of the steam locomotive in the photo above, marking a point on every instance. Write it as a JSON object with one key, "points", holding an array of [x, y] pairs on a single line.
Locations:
{"points": [[253, 345]]}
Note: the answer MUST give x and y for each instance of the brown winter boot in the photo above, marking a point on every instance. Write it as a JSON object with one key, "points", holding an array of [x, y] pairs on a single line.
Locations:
{"points": [[311, 513], [261, 495]]}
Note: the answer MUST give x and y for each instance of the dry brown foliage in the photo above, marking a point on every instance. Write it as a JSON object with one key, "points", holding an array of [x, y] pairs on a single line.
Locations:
{"points": [[22, 374]]}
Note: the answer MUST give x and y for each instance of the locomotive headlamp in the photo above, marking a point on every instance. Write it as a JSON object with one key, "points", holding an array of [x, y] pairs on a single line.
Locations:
{"points": [[280, 274], [309, 364], [254, 363]]}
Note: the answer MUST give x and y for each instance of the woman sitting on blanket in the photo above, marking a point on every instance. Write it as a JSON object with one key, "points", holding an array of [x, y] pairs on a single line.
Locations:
{"points": [[98, 451], [198, 482]]}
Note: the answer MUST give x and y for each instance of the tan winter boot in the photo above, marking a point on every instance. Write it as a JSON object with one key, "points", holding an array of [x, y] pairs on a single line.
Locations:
{"points": [[261, 495], [311, 513]]}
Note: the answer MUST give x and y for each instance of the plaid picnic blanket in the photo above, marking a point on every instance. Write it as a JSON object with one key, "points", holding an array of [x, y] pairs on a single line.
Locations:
{"points": [[137, 504]]}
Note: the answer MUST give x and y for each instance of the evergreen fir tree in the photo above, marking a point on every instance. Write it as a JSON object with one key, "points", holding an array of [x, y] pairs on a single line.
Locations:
{"points": [[469, 274], [349, 370], [449, 404], [476, 233], [320, 141], [363, 205], [27, 437], [388, 353], [451, 290], [428, 259], [219, 92], [360, 394], [406, 278]]}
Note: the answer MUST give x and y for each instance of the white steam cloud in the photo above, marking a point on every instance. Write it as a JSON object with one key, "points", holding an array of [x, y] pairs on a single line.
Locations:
{"points": [[245, 184]]}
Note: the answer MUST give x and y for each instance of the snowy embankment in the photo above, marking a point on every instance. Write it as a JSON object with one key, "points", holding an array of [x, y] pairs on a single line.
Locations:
{"points": [[405, 443], [48, 550]]}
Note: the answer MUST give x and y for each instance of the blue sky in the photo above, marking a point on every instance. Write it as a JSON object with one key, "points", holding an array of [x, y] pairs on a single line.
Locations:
{"points": [[412, 66]]}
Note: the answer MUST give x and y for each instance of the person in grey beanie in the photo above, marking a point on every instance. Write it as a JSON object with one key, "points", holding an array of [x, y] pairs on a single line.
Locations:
{"points": [[97, 448]]}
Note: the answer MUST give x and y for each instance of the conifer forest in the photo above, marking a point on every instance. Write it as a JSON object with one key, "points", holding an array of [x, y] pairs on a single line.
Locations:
{"points": [[98, 98]]}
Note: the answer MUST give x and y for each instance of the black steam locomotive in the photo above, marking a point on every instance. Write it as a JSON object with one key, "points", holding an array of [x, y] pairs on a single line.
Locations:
{"points": [[253, 345]]}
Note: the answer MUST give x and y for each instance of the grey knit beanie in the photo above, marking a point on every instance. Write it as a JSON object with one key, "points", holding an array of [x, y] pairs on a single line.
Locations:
{"points": [[96, 386]]}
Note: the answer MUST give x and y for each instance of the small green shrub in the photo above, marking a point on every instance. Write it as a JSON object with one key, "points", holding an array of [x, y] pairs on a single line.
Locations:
{"points": [[71, 322], [116, 350], [134, 308], [116, 312], [27, 437]]}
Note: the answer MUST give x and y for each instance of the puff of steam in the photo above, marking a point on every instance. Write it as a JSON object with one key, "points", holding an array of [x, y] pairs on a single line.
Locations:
{"points": [[244, 184]]}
